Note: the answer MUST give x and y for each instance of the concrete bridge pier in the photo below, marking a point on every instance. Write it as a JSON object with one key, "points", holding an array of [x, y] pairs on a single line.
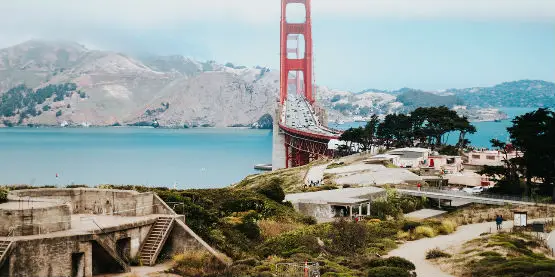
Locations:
{"points": [[278, 145]]}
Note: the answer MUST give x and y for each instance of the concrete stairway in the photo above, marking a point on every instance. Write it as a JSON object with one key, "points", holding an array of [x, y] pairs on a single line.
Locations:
{"points": [[5, 249], [155, 240]]}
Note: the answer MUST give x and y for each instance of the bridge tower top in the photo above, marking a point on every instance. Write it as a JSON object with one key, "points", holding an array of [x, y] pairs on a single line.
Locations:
{"points": [[302, 62]]}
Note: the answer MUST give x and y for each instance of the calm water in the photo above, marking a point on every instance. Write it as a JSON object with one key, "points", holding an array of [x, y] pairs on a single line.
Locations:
{"points": [[190, 158], [485, 130]]}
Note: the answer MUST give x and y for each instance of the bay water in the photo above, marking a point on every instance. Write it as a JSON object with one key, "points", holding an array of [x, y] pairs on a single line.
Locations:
{"points": [[184, 158]]}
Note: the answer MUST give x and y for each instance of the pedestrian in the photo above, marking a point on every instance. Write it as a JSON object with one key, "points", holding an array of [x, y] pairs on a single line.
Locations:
{"points": [[419, 186], [498, 221]]}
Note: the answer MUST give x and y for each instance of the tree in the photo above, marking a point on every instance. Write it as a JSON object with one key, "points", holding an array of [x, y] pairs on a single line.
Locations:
{"points": [[534, 134], [464, 127], [506, 176]]}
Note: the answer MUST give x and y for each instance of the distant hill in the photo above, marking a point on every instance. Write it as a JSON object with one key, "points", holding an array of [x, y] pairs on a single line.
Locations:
{"points": [[52, 82], [523, 93], [109, 88], [413, 99]]}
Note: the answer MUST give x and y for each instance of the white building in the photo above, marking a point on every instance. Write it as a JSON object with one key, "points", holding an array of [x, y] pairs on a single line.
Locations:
{"points": [[489, 157], [412, 157]]}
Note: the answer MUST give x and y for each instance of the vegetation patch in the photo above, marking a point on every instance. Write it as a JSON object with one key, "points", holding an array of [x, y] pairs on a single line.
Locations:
{"points": [[501, 254], [436, 253]]}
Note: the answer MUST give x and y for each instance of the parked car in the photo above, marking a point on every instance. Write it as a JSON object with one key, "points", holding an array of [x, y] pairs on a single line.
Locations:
{"points": [[473, 190]]}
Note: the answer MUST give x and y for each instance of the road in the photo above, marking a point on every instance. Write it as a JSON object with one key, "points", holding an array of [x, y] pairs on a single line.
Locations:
{"points": [[299, 115]]}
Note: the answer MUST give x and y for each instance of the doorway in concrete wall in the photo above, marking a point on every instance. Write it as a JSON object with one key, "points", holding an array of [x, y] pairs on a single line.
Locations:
{"points": [[78, 264], [124, 248]]}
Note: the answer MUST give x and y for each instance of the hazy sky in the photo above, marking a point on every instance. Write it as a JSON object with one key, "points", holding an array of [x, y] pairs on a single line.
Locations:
{"points": [[358, 44]]}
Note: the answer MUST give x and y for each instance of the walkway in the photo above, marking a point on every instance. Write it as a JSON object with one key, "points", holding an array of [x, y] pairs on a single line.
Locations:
{"points": [[315, 174], [145, 271], [460, 195], [415, 251]]}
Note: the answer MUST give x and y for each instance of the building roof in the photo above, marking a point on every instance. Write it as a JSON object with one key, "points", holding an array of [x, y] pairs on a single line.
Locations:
{"points": [[410, 149], [336, 196]]}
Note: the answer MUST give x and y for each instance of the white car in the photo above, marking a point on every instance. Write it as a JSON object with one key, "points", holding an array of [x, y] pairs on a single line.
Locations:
{"points": [[473, 190]]}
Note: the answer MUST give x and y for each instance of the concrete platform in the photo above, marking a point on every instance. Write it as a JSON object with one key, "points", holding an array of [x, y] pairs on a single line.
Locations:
{"points": [[86, 224], [424, 213]]}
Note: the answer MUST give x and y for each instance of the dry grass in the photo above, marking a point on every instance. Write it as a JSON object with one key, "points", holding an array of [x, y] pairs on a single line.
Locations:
{"points": [[271, 228], [424, 231], [195, 263], [492, 245], [479, 213]]}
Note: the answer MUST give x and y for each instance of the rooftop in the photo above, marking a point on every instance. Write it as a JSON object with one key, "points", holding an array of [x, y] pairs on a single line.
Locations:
{"points": [[336, 196], [410, 149]]}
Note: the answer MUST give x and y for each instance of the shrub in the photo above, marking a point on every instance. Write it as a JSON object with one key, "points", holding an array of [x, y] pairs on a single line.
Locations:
{"points": [[58, 113], [447, 227], [273, 189], [271, 228], [386, 271], [194, 263], [392, 262], [3, 195], [424, 231], [436, 253], [348, 237]]}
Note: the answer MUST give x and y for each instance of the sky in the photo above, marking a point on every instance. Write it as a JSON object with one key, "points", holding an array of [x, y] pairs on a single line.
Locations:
{"points": [[358, 44]]}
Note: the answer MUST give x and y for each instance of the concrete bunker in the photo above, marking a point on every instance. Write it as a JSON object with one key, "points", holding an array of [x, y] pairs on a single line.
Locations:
{"points": [[84, 232]]}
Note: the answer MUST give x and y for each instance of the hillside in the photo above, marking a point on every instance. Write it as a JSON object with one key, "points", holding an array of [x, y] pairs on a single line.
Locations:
{"points": [[110, 88], [119, 89], [523, 93], [413, 99]]}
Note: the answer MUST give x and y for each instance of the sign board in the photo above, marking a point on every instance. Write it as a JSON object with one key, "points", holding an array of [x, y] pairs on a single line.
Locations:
{"points": [[520, 219], [538, 227]]}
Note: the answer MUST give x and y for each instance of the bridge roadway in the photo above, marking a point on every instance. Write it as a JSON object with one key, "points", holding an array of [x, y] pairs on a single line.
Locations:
{"points": [[460, 195], [298, 117]]}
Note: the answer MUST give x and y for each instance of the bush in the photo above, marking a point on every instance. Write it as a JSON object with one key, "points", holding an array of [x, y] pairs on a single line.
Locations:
{"points": [[386, 271], [424, 231], [347, 237], [273, 189], [447, 227], [392, 262], [58, 113], [436, 253], [45, 108], [195, 263], [3, 195]]}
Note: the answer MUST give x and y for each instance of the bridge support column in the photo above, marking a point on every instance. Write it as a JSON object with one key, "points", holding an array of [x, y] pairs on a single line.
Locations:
{"points": [[279, 149]]}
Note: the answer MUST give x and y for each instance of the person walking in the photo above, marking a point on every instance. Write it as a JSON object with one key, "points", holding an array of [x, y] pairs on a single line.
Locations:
{"points": [[498, 221]]}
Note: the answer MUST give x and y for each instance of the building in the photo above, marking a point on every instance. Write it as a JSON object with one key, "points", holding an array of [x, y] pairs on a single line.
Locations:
{"points": [[445, 164], [489, 157], [412, 157], [85, 232], [328, 204]]}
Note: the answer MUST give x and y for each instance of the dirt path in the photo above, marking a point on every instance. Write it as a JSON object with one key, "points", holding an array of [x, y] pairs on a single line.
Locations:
{"points": [[415, 251], [145, 271]]}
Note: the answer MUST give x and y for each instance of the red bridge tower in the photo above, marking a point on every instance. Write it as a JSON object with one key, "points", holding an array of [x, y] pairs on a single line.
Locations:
{"points": [[289, 32]]}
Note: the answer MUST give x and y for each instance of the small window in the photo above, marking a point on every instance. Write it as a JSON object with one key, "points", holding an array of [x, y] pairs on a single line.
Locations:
{"points": [[477, 157], [490, 158]]}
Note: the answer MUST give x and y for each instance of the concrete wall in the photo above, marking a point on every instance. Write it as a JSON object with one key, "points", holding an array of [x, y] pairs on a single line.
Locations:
{"points": [[49, 257], [314, 209], [38, 220], [94, 201]]}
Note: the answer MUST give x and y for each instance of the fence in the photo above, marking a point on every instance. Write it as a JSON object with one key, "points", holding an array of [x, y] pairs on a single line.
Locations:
{"points": [[462, 194], [298, 269]]}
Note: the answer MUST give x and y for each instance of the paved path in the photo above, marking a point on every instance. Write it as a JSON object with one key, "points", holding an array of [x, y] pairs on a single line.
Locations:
{"points": [[415, 251], [145, 271], [315, 174]]}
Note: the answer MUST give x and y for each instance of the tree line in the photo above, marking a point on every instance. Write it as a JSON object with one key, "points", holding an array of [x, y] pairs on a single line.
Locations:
{"points": [[423, 127], [22, 100]]}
